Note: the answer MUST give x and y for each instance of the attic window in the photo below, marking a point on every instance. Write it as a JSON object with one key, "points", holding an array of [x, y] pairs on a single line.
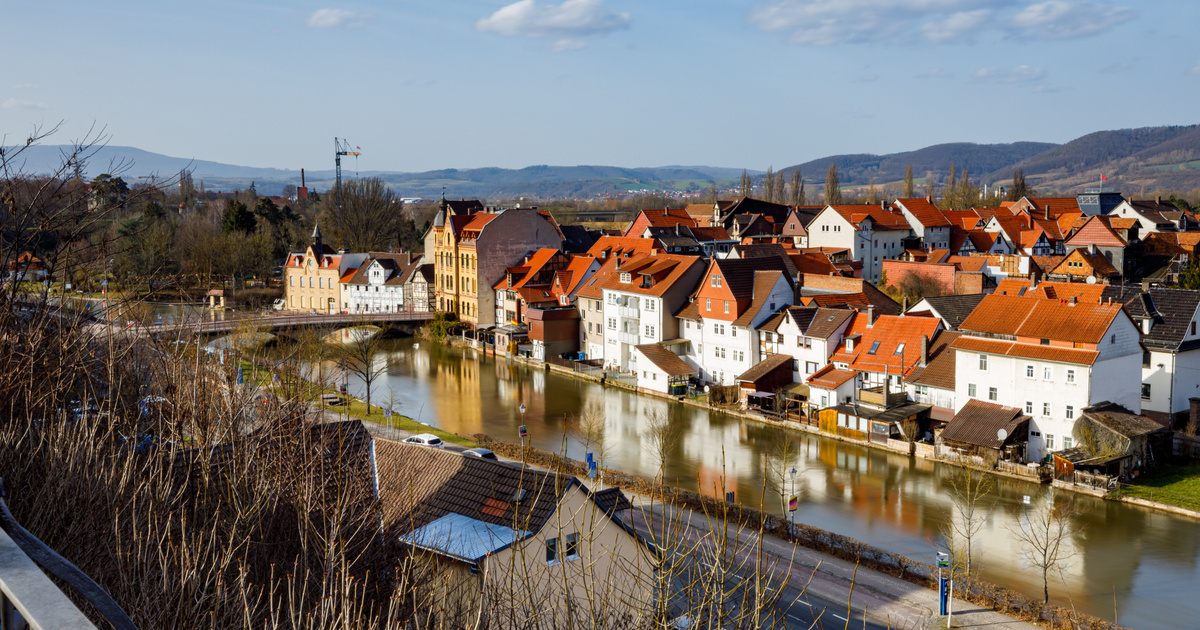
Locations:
{"points": [[519, 495], [874, 348], [544, 294], [1045, 342], [625, 277], [899, 349]]}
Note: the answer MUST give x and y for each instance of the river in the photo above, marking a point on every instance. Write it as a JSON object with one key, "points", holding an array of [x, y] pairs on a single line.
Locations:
{"points": [[1142, 562]]}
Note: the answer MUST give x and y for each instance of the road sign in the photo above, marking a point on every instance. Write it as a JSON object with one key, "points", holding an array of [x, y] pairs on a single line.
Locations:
{"points": [[792, 504], [523, 432], [590, 461], [240, 380], [943, 596]]}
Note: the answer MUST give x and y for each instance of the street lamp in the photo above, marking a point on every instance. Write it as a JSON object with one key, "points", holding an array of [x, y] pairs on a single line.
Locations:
{"points": [[522, 431]]}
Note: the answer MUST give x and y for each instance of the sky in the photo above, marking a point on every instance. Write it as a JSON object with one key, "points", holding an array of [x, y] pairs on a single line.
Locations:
{"points": [[429, 84]]}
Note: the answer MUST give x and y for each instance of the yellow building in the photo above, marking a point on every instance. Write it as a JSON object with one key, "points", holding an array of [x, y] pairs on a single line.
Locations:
{"points": [[471, 249], [311, 279]]}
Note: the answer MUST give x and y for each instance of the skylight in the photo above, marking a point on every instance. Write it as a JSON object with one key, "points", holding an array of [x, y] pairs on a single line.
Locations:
{"points": [[899, 348], [874, 348]]}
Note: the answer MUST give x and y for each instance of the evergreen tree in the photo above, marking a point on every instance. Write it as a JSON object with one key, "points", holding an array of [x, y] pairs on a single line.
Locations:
{"points": [[237, 218], [872, 194], [797, 188], [746, 184], [769, 184], [833, 191], [1019, 188], [908, 183]]}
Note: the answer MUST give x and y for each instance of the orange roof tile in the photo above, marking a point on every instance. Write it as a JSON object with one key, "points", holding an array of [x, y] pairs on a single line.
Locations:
{"points": [[893, 344], [1095, 231], [1041, 319], [1026, 350], [830, 377], [924, 211]]}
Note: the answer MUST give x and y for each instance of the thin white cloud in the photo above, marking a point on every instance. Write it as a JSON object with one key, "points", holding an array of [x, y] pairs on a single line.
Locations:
{"points": [[14, 103], [1020, 74], [906, 22], [1061, 19], [1196, 68], [338, 18], [570, 24]]}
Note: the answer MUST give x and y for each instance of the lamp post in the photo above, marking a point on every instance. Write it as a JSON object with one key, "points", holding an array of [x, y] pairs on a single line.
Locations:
{"points": [[522, 431]]}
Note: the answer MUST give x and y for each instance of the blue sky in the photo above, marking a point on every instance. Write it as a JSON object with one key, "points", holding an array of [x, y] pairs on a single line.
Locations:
{"points": [[423, 84]]}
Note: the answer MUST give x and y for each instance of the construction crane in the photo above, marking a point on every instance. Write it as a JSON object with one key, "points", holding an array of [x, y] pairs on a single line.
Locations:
{"points": [[341, 147]]}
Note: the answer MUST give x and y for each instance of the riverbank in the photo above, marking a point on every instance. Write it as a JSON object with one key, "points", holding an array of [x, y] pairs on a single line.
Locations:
{"points": [[1132, 495]]}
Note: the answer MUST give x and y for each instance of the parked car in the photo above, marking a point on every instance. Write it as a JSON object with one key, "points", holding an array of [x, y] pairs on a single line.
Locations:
{"points": [[277, 305], [427, 439], [481, 453]]}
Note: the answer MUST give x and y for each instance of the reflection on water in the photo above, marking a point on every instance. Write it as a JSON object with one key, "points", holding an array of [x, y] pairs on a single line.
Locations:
{"points": [[887, 500]]}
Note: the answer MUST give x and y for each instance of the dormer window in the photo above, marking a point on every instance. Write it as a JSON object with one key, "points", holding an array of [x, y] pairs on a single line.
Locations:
{"points": [[647, 281], [625, 277]]}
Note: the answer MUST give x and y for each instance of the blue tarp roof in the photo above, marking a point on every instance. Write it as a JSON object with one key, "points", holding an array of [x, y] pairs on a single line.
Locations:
{"points": [[462, 537]]}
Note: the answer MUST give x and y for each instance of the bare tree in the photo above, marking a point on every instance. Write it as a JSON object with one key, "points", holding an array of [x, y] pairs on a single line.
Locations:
{"points": [[1044, 532], [833, 191], [362, 354], [1019, 188], [778, 463], [746, 185], [662, 436], [797, 187], [769, 184], [872, 194], [908, 182], [972, 504], [370, 217]]}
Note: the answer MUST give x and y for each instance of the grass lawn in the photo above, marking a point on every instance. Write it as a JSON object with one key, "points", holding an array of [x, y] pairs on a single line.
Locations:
{"points": [[1176, 485]]}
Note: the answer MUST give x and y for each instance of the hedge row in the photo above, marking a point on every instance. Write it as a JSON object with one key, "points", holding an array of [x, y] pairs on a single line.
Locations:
{"points": [[977, 591]]}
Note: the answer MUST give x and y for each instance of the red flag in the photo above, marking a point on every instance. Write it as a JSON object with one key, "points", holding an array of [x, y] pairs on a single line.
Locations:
{"points": [[1103, 178], [360, 149]]}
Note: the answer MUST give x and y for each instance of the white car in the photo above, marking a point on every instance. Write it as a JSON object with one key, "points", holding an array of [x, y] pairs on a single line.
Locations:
{"points": [[427, 439]]}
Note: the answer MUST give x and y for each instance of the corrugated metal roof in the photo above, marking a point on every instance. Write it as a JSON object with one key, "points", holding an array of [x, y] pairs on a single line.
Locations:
{"points": [[462, 537]]}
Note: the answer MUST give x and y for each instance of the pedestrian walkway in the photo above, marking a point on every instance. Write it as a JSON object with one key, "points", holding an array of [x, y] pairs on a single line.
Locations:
{"points": [[887, 599]]}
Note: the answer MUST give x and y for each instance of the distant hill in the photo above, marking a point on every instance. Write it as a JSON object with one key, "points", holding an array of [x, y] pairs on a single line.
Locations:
{"points": [[1137, 161], [1148, 157], [858, 169]]}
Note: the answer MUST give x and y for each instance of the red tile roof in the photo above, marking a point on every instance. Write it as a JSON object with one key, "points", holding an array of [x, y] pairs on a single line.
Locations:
{"points": [[883, 219], [830, 377], [924, 211], [892, 333], [1095, 231], [1041, 319]]}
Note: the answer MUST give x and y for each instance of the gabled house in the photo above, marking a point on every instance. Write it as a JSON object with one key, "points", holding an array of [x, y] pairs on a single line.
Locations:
{"points": [[478, 522], [1050, 358], [951, 309], [987, 431], [1097, 236], [927, 222], [668, 218], [733, 298], [589, 301], [795, 227], [1083, 265], [870, 233], [528, 284], [312, 278], [640, 297], [932, 381], [382, 284], [807, 334]]}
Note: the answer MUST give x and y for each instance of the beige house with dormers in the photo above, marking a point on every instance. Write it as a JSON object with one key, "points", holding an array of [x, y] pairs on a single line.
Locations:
{"points": [[311, 279]]}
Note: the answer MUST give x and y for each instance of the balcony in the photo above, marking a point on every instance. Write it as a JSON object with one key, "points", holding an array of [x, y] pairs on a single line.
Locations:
{"points": [[630, 312], [630, 338], [876, 396]]}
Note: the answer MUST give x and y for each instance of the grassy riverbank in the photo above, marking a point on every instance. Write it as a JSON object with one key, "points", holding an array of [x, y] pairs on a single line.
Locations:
{"points": [[1173, 485]]}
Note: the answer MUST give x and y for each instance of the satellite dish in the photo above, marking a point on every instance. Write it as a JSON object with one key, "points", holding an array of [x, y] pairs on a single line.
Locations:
{"points": [[1091, 280], [1001, 435], [706, 389]]}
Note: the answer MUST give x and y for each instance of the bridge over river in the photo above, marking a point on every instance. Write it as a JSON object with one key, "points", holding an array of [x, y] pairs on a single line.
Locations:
{"points": [[272, 321]]}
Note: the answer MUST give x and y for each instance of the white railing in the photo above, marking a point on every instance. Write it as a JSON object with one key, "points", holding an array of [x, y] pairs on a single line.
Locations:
{"points": [[28, 599]]}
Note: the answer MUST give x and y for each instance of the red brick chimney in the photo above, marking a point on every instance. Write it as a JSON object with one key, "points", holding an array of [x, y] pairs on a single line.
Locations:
{"points": [[924, 350]]}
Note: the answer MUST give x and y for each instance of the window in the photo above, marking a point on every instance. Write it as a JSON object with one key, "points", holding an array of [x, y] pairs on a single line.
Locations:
{"points": [[292, 281], [1045, 409], [708, 304], [1047, 373], [1070, 412], [612, 323], [1029, 407], [1193, 328], [301, 281], [650, 304], [571, 550], [1145, 358], [899, 350], [874, 347], [971, 390], [991, 393], [1145, 391], [810, 367], [1112, 339], [590, 327], [1045, 342], [983, 363], [551, 550], [1029, 370], [1067, 443], [722, 351], [1071, 375], [625, 277], [726, 306], [1049, 441]]}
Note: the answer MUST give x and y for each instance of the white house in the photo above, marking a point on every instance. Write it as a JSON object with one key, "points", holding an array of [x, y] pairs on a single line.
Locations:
{"points": [[808, 334], [1050, 359], [926, 221], [1167, 319], [639, 300], [871, 234], [735, 296], [382, 284]]}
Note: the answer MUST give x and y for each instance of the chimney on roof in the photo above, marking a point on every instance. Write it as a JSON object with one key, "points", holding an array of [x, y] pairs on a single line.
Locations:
{"points": [[924, 350], [904, 306], [929, 198], [1158, 199], [870, 316], [1074, 300]]}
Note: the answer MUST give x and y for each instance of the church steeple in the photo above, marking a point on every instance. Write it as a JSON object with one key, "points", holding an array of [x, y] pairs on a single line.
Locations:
{"points": [[316, 235]]}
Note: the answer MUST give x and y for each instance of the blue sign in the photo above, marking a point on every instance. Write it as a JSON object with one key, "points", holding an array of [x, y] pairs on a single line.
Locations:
{"points": [[239, 375], [589, 459], [943, 596]]}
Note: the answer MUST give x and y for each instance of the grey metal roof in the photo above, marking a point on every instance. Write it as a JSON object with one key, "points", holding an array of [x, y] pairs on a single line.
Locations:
{"points": [[462, 537]]}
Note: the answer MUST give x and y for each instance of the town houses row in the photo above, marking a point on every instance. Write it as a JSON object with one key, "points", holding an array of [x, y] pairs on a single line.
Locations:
{"points": [[1049, 311]]}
